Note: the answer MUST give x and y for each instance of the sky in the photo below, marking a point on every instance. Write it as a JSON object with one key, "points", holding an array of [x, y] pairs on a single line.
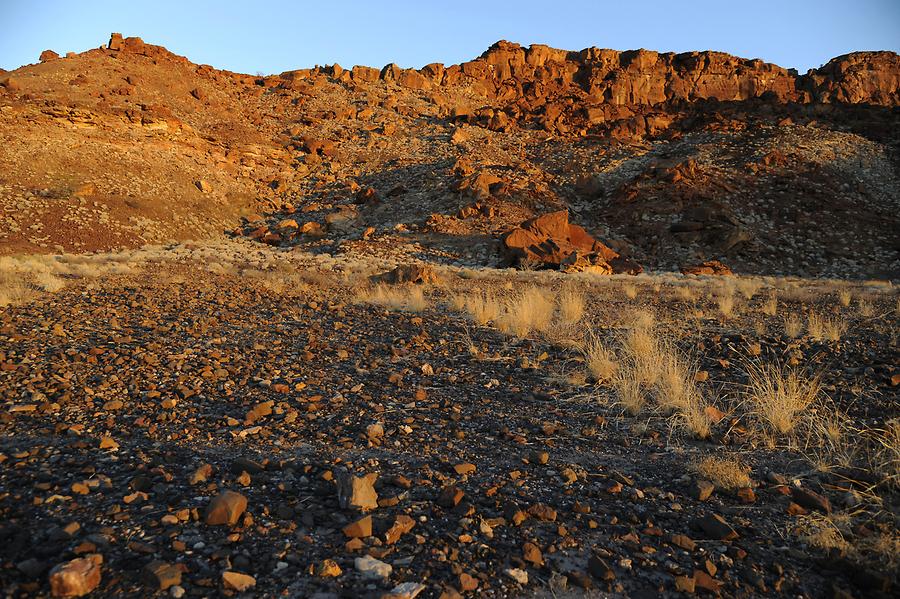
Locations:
{"points": [[272, 36]]}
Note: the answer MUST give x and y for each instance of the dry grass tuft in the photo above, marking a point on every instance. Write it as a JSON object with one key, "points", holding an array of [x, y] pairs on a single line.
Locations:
{"points": [[532, 310], [748, 287], [822, 328], [483, 307], [793, 326], [571, 305], [630, 291], [599, 359], [14, 290], [725, 472], [845, 297], [779, 397], [864, 308], [410, 299], [770, 306]]}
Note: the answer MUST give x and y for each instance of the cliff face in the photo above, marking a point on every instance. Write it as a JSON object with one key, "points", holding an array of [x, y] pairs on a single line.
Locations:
{"points": [[642, 77]]}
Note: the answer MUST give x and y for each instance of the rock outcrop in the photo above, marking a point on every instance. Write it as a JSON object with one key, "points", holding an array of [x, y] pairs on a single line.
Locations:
{"points": [[551, 241]]}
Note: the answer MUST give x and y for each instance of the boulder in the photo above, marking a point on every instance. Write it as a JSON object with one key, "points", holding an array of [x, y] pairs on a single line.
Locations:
{"points": [[48, 55], [408, 273], [550, 241], [76, 578], [709, 268], [225, 508]]}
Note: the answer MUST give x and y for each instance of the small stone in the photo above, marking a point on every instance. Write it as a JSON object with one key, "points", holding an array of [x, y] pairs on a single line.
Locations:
{"points": [[327, 568], [201, 474], [705, 581], [684, 541], [538, 457], [684, 584], [406, 590], [235, 581], [372, 568], [359, 529], [161, 575], [357, 492], [810, 500], [715, 527], [746, 495], [225, 508], [464, 468], [176, 592], [599, 569], [467, 582], [542, 512], [450, 496], [108, 443], [77, 577], [532, 554], [703, 489], [517, 574], [402, 525]]}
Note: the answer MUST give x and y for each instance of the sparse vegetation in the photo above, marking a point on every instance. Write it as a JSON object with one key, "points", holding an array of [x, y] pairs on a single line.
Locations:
{"points": [[778, 396], [726, 472]]}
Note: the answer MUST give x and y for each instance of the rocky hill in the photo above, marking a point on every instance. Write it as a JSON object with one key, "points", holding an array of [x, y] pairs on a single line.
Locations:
{"points": [[669, 159]]}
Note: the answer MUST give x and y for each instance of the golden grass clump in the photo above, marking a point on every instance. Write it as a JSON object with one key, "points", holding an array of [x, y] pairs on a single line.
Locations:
{"points": [[793, 326], [864, 308], [630, 291], [748, 287], [411, 299], [532, 310], [725, 472], [779, 397], [823, 328], [845, 297], [770, 306], [685, 294], [571, 305], [483, 307], [599, 360], [14, 289]]}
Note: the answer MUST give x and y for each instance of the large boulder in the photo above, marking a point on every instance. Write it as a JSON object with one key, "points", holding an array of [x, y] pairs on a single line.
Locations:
{"points": [[551, 241]]}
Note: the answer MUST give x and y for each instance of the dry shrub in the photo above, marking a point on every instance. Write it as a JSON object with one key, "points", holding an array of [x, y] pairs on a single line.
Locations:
{"points": [[725, 304], [685, 294], [748, 287], [725, 472], [770, 306], [14, 290], [571, 305], [599, 359], [864, 308], [482, 307], [845, 297], [532, 310], [779, 397], [651, 364], [821, 328], [409, 299], [641, 319], [630, 392], [793, 326]]}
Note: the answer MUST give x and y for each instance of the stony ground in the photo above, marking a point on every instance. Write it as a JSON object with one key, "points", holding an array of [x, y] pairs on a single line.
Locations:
{"points": [[141, 405]]}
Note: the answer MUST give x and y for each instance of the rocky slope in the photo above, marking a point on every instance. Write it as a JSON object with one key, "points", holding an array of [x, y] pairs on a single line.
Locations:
{"points": [[668, 159]]}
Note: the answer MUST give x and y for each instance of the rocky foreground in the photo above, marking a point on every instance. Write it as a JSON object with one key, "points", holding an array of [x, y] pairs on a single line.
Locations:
{"points": [[213, 421]]}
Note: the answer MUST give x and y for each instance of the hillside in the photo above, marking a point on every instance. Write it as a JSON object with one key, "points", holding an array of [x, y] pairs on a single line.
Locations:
{"points": [[667, 158]]}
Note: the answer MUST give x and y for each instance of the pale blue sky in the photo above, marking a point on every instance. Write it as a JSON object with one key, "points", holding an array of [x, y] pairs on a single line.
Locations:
{"points": [[278, 35]]}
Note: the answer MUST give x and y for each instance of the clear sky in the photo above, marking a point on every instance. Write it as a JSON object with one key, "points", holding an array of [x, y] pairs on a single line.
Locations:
{"points": [[271, 36]]}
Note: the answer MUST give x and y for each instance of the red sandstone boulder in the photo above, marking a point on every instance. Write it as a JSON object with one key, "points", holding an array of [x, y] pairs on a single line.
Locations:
{"points": [[551, 241], [709, 268]]}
